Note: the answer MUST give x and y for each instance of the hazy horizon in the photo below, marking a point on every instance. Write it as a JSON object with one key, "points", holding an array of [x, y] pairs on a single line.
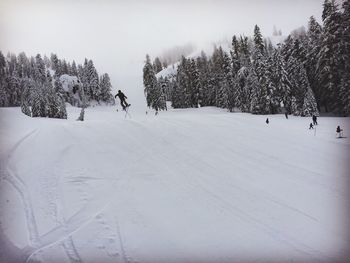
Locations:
{"points": [[117, 35]]}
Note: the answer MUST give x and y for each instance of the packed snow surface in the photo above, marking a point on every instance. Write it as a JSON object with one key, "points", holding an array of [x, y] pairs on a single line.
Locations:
{"points": [[196, 185]]}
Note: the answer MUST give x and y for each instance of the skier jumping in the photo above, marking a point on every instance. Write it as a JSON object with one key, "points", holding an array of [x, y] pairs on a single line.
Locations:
{"points": [[122, 98]]}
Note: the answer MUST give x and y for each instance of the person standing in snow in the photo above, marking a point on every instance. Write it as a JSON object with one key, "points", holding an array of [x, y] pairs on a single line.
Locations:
{"points": [[314, 119], [122, 98], [267, 121], [339, 131], [311, 126]]}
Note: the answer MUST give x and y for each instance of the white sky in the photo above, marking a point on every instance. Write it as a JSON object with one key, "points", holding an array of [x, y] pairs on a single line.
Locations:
{"points": [[116, 35]]}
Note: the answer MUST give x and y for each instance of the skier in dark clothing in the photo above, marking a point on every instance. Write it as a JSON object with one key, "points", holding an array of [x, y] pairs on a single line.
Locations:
{"points": [[286, 114], [267, 121], [339, 131], [311, 126], [314, 119], [122, 98]]}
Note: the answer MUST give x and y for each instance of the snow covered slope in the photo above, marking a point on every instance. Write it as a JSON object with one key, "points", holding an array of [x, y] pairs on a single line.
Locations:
{"points": [[196, 185]]}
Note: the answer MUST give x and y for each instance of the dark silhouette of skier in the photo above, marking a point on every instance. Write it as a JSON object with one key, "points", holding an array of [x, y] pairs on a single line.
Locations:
{"points": [[122, 98], [314, 119], [286, 114], [339, 131], [311, 126], [267, 121]]}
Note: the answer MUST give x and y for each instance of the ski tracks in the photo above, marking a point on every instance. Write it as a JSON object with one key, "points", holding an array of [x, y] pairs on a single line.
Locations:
{"points": [[64, 231], [9, 173], [212, 197]]}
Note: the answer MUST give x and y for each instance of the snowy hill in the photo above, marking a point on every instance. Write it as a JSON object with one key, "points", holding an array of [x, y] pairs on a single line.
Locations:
{"points": [[196, 185]]}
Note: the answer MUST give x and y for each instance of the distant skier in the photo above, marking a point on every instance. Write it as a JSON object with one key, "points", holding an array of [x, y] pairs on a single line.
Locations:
{"points": [[286, 114], [122, 98], [311, 126], [339, 131], [267, 121], [314, 119]]}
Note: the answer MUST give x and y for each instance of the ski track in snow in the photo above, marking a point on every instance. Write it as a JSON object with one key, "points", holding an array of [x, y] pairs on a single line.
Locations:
{"points": [[206, 186], [74, 224], [237, 212], [13, 178], [234, 210], [126, 258]]}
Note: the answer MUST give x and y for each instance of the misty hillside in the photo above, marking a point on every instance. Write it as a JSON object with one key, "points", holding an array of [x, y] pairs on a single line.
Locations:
{"points": [[304, 75]]}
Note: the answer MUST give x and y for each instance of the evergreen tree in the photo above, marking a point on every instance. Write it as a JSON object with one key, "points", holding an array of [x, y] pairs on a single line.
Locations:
{"points": [[23, 69], [74, 69], [218, 71], [39, 101], [25, 99], [260, 99], [176, 96], [183, 84], [204, 79], [330, 59], [243, 89], [280, 84], [314, 34], [93, 87], [64, 69], [258, 40], [310, 105], [157, 65], [194, 83], [40, 70], [106, 87], [244, 55], [53, 102], [13, 90], [344, 93], [235, 55], [150, 85], [301, 100]]}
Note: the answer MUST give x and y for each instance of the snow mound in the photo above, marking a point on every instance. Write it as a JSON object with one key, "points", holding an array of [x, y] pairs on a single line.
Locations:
{"points": [[69, 82]]}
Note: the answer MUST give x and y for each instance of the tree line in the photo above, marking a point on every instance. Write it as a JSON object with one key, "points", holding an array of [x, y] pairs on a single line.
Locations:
{"points": [[36, 84], [308, 73]]}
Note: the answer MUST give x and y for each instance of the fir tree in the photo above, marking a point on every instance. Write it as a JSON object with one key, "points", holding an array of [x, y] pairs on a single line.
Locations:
{"points": [[183, 84], [330, 59], [40, 71], [280, 86], [243, 90], [151, 87], [39, 101], [74, 69], [204, 77], [194, 83], [258, 40], [314, 34], [157, 65], [344, 93], [93, 86], [310, 105], [106, 87]]}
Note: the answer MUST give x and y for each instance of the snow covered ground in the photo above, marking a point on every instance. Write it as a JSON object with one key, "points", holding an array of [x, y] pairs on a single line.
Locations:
{"points": [[199, 185]]}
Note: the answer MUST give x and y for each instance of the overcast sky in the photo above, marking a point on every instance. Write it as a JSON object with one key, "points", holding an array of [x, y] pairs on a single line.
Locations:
{"points": [[116, 35]]}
